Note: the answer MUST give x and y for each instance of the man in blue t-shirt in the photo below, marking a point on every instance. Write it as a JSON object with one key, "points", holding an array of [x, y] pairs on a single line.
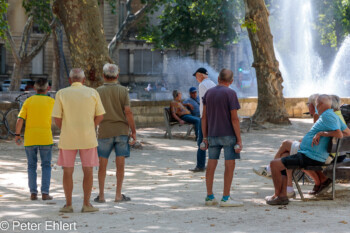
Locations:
{"points": [[194, 101], [220, 126], [313, 148]]}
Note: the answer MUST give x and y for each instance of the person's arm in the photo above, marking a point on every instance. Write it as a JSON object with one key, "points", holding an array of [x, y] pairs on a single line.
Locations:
{"points": [[19, 125], [58, 122], [188, 105], [237, 129], [173, 110], [205, 126], [336, 134], [130, 118], [98, 120], [346, 132]]}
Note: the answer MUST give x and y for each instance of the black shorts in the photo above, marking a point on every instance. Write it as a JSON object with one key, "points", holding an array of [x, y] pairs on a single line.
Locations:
{"points": [[299, 160]]}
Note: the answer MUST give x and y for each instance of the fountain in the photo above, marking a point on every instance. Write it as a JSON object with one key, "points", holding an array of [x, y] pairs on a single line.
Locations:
{"points": [[302, 68]]}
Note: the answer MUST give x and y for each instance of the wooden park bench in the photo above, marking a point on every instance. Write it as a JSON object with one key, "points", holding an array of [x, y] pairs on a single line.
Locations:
{"points": [[170, 122], [336, 146]]}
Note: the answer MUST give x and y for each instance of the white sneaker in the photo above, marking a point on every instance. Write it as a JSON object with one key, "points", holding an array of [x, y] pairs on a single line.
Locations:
{"points": [[230, 203], [209, 201], [262, 171]]}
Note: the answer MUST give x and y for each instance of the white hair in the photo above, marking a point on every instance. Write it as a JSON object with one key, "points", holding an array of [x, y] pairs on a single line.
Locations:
{"points": [[335, 102], [76, 74], [110, 71], [312, 99], [325, 99]]}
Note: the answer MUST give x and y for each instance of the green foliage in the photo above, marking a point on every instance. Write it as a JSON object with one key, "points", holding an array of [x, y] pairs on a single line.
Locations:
{"points": [[113, 5], [41, 11], [251, 24], [185, 24], [333, 20], [3, 22]]}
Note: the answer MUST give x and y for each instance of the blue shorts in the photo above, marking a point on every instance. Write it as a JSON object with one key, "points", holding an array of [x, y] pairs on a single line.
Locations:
{"points": [[226, 142], [120, 145]]}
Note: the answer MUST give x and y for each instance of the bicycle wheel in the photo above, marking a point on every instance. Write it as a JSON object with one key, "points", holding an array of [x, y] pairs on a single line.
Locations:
{"points": [[4, 133], [11, 120]]}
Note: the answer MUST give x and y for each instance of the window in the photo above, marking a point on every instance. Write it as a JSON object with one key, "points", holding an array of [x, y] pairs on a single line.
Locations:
{"points": [[122, 14], [2, 59], [220, 60], [207, 56], [36, 29], [38, 63], [233, 67], [124, 61], [148, 62]]}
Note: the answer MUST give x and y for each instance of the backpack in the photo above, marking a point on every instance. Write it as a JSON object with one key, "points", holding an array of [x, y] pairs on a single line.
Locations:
{"points": [[345, 111]]}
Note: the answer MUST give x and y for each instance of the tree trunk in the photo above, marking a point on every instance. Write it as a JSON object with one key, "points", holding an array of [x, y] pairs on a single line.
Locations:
{"points": [[17, 74], [271, 104], [56, 66], [87, 44], [21, 57]]}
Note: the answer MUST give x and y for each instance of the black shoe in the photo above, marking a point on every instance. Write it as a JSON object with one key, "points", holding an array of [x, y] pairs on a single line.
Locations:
{"points": [[324, 187], [197, 169]]}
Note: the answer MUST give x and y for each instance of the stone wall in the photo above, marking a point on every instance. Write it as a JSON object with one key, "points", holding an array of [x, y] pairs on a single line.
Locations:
{"points": [[150, 113]]}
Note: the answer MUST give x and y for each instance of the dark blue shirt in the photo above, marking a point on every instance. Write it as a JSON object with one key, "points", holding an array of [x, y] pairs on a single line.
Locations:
{"points": [[195, 104]]}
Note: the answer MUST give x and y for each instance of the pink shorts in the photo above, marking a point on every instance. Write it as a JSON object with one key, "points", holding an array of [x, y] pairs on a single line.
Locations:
{"points": [[88, 157]]}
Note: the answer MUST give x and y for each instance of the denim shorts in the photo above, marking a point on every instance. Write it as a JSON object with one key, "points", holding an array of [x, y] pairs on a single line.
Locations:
{"points": [[226, 142], [120, 145]]}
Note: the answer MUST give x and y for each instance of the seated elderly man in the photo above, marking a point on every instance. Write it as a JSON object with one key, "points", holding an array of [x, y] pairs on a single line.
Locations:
{"points": [[182, 114], [289, 147], [313, 149], [194, 101]]}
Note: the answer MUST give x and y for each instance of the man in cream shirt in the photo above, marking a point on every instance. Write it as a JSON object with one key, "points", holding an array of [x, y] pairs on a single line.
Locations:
{"points": [[77, 112], [204, 84]]}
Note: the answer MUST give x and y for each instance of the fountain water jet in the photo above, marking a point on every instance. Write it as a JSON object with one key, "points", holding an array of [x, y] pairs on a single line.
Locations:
{"points": [[301, 66]]}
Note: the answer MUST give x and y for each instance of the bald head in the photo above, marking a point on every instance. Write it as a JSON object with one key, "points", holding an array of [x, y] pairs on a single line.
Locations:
{"points": [[226, 76]]}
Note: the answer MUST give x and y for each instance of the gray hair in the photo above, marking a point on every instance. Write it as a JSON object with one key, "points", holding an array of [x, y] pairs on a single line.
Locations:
{"points": [[312, 99], [41, 85], [226, 75], [325, 99], [110, 71], [76, 74], [335, 102]]}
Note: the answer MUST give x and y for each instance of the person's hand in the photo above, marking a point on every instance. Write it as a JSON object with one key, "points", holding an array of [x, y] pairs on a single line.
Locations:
{"points": [[191, 106], [182, 122], [205, 141], [316, 139], [238, 150], [18, 140], [133, 136]]}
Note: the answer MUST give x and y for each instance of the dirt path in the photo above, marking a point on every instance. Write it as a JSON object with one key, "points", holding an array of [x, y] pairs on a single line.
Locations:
{"points": [[166, 197]]}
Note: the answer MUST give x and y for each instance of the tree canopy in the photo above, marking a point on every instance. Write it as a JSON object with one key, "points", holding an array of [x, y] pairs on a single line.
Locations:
{"points": [[333, 22], [185, 24]]}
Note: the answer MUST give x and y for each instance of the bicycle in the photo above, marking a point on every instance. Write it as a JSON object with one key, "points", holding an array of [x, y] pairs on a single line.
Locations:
{"points": [[12, 115], [4, 133]]}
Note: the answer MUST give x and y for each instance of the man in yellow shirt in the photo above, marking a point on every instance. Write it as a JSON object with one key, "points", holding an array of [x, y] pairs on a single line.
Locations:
{"points": [[77, 112], [36, 111]]}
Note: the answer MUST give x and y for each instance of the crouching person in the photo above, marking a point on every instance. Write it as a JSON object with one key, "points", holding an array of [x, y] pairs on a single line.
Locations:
{"points": [[36, 111]]}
